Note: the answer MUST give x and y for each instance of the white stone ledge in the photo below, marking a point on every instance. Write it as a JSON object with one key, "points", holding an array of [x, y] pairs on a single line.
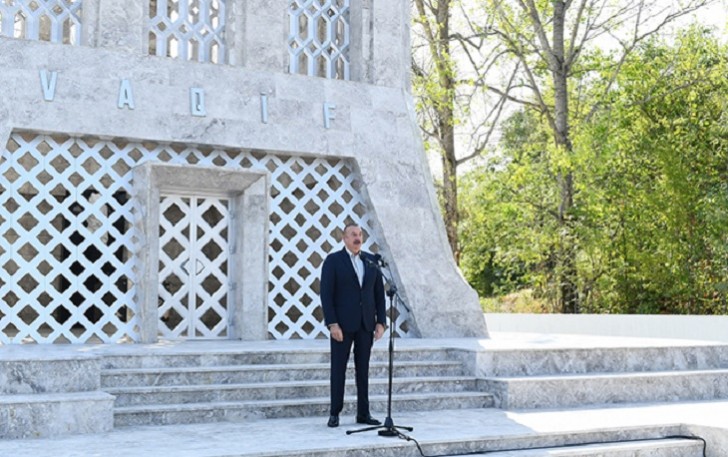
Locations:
{"points": [[51, 415], [690, 327], [47, 398]]}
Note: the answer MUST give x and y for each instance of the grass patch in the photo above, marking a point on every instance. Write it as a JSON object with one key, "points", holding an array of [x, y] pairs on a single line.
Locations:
{"points": [[522, 301]]}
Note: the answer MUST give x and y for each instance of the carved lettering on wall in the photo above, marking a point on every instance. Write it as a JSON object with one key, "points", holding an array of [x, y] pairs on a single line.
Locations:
{"points": [[125, 99], [329, 114], [197, 102], [126, 95], [264, 108], [48, 82]]}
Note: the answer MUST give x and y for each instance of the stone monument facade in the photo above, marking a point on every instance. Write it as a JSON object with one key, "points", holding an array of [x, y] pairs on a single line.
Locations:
{"points": [[180, 168]]}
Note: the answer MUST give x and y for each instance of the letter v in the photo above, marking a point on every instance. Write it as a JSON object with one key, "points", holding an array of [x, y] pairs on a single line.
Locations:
{"points": [[48, 85]]}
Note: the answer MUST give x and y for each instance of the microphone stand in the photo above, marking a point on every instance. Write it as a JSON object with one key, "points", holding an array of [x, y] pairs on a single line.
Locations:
{"points": [[388, 428]]}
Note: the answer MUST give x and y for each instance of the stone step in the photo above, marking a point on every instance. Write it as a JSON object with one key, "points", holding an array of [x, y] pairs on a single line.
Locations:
{"points": [[195, 413], [55, 414], [561, 391], [168, 376], [669, 447], [189, 357], [552, 361], [45, 373], [159, 395], [656, 441]]}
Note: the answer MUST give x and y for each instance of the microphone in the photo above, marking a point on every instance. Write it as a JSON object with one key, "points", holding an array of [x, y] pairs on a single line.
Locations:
{"points": [[371, 260], [381, 260], [375, 260]]}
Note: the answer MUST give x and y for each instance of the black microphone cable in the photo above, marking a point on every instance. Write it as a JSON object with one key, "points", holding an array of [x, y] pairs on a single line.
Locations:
{"points": [[684, 437]]}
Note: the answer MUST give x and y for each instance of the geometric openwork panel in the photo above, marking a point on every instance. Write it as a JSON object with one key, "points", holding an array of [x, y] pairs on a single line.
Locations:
{"points": [[68, 272], [193, 267], [319, 38], [187, 29], [57, 21]]}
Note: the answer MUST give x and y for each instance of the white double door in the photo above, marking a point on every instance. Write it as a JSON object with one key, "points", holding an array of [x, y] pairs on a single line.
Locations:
{"points": [[194, 234]]}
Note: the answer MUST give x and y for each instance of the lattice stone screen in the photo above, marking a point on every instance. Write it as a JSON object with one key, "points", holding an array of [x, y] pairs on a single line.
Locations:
{"points": [[193, 266], [58, 21], [319, 37], [187, 29], [67, 236]]}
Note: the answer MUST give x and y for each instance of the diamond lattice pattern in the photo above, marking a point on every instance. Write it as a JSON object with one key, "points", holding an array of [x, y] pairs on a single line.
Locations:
{"points": [[57, 21], [318, 38], [187, 29], [193, 267], [67, 237]]}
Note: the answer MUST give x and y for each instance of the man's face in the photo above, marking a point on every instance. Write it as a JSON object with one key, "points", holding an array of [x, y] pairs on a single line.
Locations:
{"points": [[353, 239]]}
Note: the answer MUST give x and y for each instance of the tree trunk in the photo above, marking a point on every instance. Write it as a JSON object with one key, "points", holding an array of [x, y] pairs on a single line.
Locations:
{"points": [[445, 113], [567, 268], [443, 105], [450, 185]]}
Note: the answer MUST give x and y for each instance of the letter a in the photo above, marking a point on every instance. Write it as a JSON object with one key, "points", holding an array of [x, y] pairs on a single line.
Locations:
{"points": [[48, 85], [126, 96]]}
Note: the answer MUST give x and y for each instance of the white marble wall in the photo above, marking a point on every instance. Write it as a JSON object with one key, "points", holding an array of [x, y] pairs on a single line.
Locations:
{"points": [[687, 327], [374, 121]]}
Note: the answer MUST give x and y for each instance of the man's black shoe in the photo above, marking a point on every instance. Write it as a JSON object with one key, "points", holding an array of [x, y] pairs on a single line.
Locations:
{"points": [[369, 420], [333, 421]]}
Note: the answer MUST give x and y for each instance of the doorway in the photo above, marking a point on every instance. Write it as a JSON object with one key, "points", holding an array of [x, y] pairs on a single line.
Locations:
{"points": [[194, 234], [202, 252]]}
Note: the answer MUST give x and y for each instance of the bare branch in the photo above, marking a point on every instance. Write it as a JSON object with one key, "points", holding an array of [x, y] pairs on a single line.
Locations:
{"points": [[495, 114], [574, 49], [637, 37], [522, 41], [509, 97], [540, 31], [672, 17]]}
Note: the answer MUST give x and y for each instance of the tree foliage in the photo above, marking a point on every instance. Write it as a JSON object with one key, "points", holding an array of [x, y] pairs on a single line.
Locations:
{"points": [[554, 42], [648, 229]]}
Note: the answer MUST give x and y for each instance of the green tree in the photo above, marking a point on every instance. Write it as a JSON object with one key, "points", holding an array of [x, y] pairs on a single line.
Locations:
{"points": [[554, 44], [664, 184], [650, 172], [508, 228]]}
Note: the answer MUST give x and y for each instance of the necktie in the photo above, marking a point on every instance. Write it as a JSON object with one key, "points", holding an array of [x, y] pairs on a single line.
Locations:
{"points": [[357, 268]]}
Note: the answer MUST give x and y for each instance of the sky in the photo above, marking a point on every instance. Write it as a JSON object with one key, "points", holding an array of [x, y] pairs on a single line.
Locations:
{"points": [[715, 15]]}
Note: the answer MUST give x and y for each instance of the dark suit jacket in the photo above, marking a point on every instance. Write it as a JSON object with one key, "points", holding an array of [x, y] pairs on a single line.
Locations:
{"points": [[346, 303]]}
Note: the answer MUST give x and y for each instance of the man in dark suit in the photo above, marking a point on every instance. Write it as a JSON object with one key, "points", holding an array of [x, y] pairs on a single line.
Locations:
{"points": [[352, 297]]}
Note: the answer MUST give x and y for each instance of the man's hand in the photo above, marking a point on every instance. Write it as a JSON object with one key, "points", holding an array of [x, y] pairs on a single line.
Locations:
{"points": [[336, 332], [378, 331]]}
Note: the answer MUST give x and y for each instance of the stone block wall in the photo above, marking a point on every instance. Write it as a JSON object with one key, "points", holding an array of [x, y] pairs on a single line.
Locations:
{"points": [[43, 396]]}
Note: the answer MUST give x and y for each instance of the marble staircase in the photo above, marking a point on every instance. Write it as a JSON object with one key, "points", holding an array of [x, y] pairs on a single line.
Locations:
{"points": [[437, 386], [574, 377], [222, 386], [225, 386]]}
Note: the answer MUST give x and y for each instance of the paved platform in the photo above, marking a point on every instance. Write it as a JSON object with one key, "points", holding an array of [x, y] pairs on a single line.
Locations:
{"points": [[447, 432], [490, 428]]}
